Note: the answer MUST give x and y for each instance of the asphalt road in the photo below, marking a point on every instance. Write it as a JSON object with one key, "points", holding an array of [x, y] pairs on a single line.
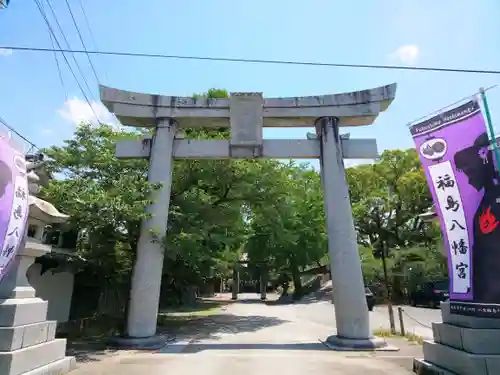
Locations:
{"points": [[417, 320], [251, 338]]}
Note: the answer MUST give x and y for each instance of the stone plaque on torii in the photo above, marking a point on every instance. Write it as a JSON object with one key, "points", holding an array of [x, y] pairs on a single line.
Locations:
{"points": [[246, 114]]}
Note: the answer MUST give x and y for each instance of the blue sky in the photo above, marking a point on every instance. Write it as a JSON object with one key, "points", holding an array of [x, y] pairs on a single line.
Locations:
{"points": [[443, 33]]}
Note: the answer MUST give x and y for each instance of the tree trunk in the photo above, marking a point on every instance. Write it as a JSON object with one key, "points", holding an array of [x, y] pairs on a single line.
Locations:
{"points": [[297, 283], [388, 288], [133, 241], [123, 325]]}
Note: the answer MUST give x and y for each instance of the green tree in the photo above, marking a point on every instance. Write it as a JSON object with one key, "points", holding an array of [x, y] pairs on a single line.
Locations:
{"points": [[289, 234], [387, 198], [209, 199], [105, 198]]}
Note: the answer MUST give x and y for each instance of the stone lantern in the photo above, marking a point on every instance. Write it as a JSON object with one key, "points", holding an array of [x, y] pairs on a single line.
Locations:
{"points": [[27, 339]]}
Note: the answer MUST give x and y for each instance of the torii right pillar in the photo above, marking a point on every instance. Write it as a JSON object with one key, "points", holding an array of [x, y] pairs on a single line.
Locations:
{"points": [[351, 311]]}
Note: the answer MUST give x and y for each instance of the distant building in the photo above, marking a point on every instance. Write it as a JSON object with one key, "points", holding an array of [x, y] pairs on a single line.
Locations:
{"points": [[429, 215]]}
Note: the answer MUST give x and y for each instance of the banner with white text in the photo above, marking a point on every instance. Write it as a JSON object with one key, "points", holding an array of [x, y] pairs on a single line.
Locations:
{"points": [[455, 152], [13, 202]]}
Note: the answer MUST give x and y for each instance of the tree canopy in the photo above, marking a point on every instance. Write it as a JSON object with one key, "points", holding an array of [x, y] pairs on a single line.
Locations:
{"points": [[387, 199]]}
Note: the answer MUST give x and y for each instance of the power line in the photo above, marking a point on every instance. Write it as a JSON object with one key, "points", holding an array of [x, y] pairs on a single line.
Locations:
{"points": [[3, 122], [91, 33], [67, 43], [42, 12], [87, 23], [257, 61], [59, 70], [81, 40], [61, 79], [448, 106]]}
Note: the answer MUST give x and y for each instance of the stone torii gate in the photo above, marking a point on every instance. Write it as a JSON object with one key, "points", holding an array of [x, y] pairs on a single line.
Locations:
{"points": [[263, 279], [246, 114]]}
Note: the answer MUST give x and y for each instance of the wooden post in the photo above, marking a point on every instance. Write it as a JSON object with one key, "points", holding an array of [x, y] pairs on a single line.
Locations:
{"points": [[236, 284], [401, 321], [384, 253], [263, 283]]}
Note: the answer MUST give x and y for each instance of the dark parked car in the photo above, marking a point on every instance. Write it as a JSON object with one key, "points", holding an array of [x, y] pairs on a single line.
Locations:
{"points": [[431, 293], [370, 299]]}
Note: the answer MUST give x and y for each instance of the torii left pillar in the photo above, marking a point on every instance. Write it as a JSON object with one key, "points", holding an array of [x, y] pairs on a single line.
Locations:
{"points": [[145, 291]]}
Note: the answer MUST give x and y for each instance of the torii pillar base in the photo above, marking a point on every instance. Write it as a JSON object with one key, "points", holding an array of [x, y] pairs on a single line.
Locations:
{"points": [[139, 343], [345, 344]]}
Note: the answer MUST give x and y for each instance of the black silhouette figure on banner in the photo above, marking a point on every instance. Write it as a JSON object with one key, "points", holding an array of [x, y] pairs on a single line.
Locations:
{"points": [[5, 177], [477, 163]]}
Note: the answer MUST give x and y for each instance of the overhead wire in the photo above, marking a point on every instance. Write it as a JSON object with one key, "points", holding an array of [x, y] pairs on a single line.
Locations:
{"points": [[11, 128], [94, 43], [82, 41], [448, 106], [61, 79], [256, 61], [60, 73], [51, 30], [69, 46]]}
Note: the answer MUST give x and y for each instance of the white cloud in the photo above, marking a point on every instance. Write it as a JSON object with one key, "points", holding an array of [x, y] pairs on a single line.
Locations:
{"points": [[407, 54], [5, 52], [350, 163], [79, 111], [47, 131]]}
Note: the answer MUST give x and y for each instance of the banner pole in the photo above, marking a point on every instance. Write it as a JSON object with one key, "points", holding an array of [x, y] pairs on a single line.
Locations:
{"points": [[490, 126]]}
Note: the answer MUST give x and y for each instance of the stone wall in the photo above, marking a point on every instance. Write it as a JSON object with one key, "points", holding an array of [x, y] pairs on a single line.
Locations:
{"points": [[56, 288]]}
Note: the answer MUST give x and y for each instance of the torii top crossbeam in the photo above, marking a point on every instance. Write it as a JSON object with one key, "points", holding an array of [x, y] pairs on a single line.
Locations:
{"points": [[352, 108]]}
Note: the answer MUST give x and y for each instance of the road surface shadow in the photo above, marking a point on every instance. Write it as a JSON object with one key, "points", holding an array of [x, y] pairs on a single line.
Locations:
{"points": [[282, 300], [199, 306], [89, 350], [201, 328], [196, 348], [271, 300], [319, 295]]}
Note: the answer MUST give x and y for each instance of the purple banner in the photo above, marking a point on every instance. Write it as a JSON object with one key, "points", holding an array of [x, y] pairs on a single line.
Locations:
{"points": [[13, 202], [458, 162]]}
